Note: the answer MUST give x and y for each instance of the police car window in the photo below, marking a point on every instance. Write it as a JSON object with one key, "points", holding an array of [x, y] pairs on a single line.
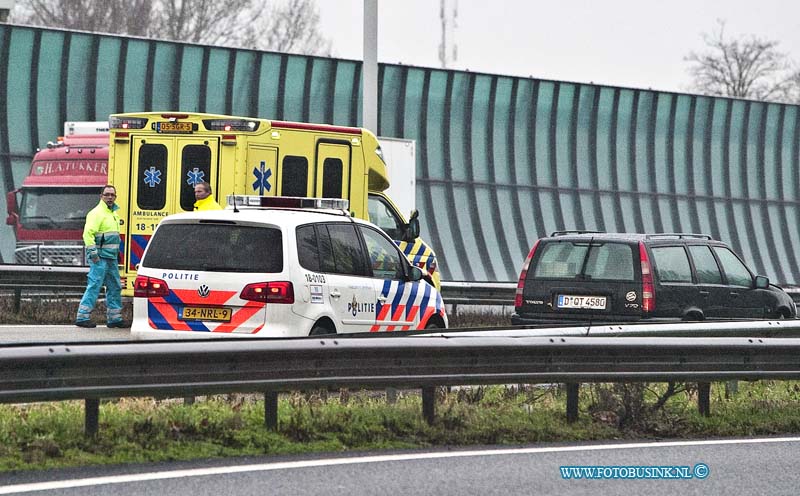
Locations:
{"points": [[332, 170], [215, 248], [705, 265], [195, 168], [348, 256], [294, 176], [307, 249], [384, 217], [672, 264], [151, 192], [383, 255], [735, 271]]}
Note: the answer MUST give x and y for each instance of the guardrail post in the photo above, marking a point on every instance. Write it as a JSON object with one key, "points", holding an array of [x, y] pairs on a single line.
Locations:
{"points": [[428, 403], [92, 416], [703, 398], [572, 402], [271, 410]]}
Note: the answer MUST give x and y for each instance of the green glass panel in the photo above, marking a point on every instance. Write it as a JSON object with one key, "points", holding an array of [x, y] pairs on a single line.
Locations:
{"points": [[668, 219], [269, 86], [718, 147], [466, 227], [321, 74], [458, 105], [192, 74], [529, 207], [742, 224], [343, 94], [548, 198], [679, 155], [243, 83], [486, 222], [294, 88], [480, 128], [502, 271], [628, 203], [568, 208], [735, 157], [108, 54], [605, 112], [501, 132], [753, 167], [523, 157], [164, 90], [80, 53], [135, 73], [724, 222], [544, 105], [18, 105], [564, 152], [446, 253], [608, 210], [624, 158], [663, 137], [788, 168], [437, 148], [771, 166], [643, 168], [414, 102], [48, 87], [701, 126], [390, 100], [587, 178], [779, 241], [216, 75]]}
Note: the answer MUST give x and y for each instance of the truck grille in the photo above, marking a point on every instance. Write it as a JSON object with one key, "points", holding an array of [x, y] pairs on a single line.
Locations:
{"points": [[50, 255]]}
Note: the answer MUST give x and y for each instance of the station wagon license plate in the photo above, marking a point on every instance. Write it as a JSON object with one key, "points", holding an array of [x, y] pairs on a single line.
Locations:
{"points": [[583, 302], [204, 313]]}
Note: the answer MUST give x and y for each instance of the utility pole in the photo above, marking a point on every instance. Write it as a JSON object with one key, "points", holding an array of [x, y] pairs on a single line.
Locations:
{"points": [[369, 111], [448, 50]]}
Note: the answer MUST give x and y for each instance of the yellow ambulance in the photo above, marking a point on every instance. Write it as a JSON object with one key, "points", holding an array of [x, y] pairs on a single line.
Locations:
{"points": [[156, 158]]}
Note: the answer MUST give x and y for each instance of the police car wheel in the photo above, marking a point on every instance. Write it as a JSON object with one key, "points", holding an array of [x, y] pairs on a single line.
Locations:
{"points": [[321, 330], [433, 325]]}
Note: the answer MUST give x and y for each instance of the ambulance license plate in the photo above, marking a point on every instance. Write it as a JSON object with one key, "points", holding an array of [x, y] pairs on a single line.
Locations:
{"points": [[174, 127], [583, 302], [205, 313]]}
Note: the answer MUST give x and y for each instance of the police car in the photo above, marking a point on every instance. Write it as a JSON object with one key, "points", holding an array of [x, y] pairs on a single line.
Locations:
{"points": [[278, 267]]}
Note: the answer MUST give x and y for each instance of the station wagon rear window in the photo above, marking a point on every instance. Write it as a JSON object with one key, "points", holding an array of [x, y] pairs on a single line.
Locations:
{"points": [[577, 260], [215, 248]]}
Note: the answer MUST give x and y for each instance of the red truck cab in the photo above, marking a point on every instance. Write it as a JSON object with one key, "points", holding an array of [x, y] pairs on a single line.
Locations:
{"points": [[49, 210]]}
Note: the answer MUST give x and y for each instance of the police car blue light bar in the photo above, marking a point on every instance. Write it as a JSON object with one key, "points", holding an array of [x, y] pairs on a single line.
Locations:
{"points": [[288, 202]]}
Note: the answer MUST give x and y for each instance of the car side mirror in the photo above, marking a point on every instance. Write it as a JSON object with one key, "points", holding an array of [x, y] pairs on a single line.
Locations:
{"points": [[762, 282], [416, 274], [412, 228], [11, 208]]}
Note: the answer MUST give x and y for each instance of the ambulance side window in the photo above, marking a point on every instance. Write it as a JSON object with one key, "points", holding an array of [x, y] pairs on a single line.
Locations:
{"points": [[152, 177], [294, 176], [195, 168], [333, 171], [383, 216]]}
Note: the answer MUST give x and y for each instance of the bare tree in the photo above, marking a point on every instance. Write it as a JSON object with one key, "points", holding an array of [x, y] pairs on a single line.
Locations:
{"points": [[748, 67], [281, 25]]}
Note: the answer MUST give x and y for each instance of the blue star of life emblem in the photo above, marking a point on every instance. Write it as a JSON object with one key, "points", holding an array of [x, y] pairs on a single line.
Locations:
{"points": [[152, 176], [262, 175], [194, 176]]}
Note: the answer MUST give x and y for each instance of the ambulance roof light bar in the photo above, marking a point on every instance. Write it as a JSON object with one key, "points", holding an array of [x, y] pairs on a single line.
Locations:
{"points": [[288, 202]]}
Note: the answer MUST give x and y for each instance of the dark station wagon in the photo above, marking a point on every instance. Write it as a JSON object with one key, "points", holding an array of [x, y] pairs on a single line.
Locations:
{"points": [[591, 276]]}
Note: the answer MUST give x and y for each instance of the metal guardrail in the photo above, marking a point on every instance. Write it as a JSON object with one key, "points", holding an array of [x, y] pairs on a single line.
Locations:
{"points": [[94, 371], [69, 278]]}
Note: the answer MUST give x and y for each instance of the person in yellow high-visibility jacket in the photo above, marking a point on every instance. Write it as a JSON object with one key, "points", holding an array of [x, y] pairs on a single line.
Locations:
{"points": [[101, 237], [202, 193]]}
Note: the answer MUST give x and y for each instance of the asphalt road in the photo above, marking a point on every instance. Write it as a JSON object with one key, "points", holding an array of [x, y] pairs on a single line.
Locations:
{"points": [[735, 467]]}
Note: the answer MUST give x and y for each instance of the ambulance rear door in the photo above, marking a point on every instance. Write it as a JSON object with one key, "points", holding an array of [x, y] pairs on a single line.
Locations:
{"points": [[333, 169], [164, 171]]}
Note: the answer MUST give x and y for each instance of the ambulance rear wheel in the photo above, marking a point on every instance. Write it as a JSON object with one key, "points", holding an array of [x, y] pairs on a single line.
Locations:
{"points": [[322, 327]]}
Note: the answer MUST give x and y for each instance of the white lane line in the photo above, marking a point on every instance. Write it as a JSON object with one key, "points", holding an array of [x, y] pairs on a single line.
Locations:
{"points": [[200, 472]]}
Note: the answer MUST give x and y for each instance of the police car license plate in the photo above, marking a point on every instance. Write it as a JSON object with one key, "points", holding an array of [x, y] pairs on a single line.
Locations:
{"points": [[205, 313], [584, 302]]}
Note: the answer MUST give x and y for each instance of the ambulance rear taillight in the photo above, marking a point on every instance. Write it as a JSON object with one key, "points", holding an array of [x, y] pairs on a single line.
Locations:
{"points": [[126, 122], [150, 287], [269, 292], [231, 125]]}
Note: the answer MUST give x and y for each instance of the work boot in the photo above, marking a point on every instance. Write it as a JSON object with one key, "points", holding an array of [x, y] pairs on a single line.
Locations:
{"points": [[85, 323], [122, 324]]}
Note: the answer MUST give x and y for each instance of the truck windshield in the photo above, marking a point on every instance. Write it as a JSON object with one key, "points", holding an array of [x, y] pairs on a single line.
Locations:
{"points": [[57, 208]]}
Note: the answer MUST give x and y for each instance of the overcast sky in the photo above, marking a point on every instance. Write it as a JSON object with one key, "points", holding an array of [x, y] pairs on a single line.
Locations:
{"points": [[635, 43]]}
